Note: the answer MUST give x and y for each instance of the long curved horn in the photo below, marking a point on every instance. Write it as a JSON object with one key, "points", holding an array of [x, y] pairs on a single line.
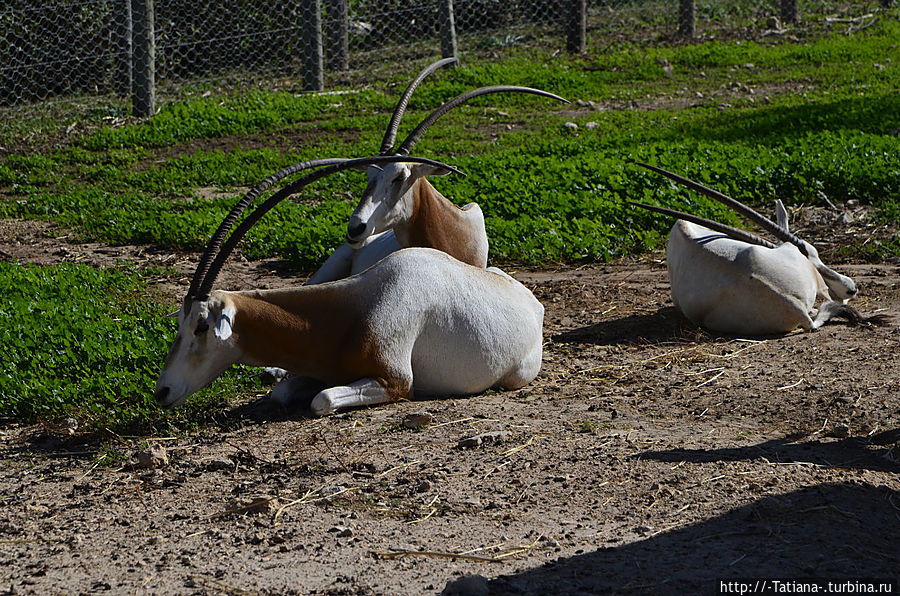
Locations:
{"points": [[215, 267], [735, 233], [219, 235], [761, 220], [414, 136], [387, 144]]}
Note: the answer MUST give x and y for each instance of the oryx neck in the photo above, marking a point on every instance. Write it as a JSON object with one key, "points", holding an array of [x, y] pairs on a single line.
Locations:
{"points": [[298, 329], [436, 222]]}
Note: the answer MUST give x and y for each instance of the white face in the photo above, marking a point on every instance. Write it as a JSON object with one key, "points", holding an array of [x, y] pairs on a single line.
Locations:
{"points": [[382, 203], [203, 349], [387, 200]]}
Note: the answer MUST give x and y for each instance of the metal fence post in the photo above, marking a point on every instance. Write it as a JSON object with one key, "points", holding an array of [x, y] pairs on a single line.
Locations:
{"points": [[687, 19], [311, 37], [337, 48], [790, 13], [121, 46], [447, 23], [576, 26], [143, 67]]}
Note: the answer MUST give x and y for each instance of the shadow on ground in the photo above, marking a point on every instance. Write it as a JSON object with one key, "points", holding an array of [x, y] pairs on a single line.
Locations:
{"points": [[668, 325], [803, 534], [664, 325], [858, 453]]}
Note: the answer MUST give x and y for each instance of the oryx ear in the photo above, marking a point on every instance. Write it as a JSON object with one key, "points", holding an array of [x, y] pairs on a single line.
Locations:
{"points": [[781, 216], [423, 169], [224, 322]]}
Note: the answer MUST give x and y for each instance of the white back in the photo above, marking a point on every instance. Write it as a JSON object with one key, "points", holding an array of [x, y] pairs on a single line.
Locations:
{"points": [[346, 261], [734, 287], [464, 329]]}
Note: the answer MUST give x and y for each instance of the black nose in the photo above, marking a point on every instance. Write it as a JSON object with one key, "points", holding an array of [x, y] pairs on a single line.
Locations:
{"points": [[161, 394], [355, 231]]}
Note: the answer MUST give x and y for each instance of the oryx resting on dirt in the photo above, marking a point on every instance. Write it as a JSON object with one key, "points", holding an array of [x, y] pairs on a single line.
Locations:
{"points": [[729, 280], [418, 322], [400, 207]]}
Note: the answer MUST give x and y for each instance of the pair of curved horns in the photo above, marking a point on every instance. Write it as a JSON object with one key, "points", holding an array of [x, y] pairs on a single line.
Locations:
{"points": [[761, 220], [735, 233], [217, 252], [387, 144], [219, 235]]}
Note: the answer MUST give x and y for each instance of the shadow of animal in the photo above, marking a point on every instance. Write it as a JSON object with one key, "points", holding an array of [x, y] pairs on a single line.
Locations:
{"points": [[664, 325], [836, 531], [857, 453]]}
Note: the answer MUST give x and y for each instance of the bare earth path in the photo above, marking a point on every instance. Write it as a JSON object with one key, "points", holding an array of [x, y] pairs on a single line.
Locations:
{"points": [[648, 456]]}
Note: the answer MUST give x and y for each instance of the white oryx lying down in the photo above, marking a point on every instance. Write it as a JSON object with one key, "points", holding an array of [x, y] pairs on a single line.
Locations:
{"points": [[400, 208], [418, 322], [731, 281]]}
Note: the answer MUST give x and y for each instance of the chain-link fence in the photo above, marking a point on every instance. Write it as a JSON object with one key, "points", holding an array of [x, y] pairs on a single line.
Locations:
{"points": [[116, 56]]}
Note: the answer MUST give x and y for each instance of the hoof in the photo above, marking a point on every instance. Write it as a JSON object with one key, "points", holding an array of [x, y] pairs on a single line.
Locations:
{"points": [[270, 376]]}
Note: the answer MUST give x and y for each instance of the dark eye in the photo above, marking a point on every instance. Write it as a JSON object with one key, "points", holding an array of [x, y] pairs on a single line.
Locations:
{"points": [[397, 180], [202, 327]]}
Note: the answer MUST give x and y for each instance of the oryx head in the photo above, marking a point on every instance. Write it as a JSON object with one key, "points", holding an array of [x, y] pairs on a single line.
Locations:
{"points": [[203, 349], [840, 287], [205, 345], [387, 198]]}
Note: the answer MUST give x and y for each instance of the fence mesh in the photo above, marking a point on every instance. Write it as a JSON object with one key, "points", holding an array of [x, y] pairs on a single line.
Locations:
{"points": [[79, 56]]}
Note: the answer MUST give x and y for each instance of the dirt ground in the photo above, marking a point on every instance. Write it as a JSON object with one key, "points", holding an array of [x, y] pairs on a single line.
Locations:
{"points": [[648, 457]]}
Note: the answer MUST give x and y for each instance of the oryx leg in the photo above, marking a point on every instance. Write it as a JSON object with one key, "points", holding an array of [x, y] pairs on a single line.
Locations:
{"points": [[365, 392], [525, 372], [832, 308], [296, 391], [337, 266]]}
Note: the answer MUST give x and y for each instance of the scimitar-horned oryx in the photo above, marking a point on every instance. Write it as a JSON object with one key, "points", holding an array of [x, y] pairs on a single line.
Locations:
{"points": [[731, 281]]}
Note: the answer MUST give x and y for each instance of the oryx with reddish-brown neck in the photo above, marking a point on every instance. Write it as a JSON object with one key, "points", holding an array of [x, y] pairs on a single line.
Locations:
{"points": [[418, 322], [400, 208], [728, 280]]}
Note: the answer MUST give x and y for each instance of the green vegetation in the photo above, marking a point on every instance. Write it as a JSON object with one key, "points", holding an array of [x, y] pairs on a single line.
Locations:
{"points": [[788, 120], [822, 118], [83, 342]]}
